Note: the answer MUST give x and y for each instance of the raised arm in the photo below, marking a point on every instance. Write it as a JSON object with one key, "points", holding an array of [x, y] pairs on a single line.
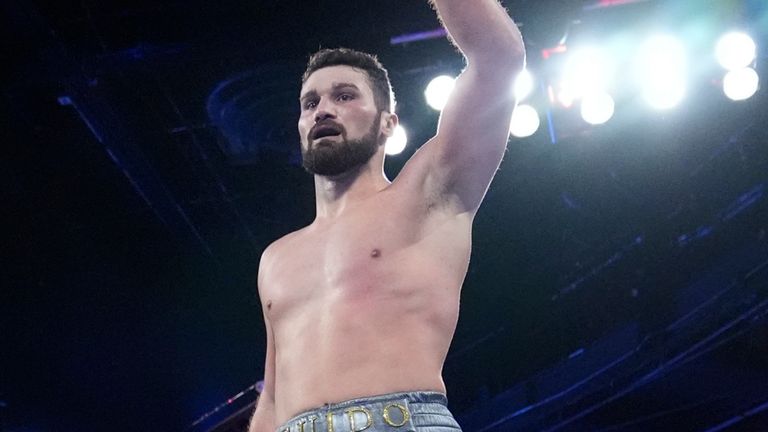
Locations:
{"points": [[457, 165]]}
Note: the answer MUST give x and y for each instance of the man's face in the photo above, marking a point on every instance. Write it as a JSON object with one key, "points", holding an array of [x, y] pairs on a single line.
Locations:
{"points": [[340, 125]]}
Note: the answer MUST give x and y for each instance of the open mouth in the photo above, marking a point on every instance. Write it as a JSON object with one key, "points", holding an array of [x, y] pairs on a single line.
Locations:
{"points": [[327, 130]]}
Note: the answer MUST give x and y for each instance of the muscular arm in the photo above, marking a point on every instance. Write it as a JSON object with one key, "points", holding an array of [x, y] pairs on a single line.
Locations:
{"points": [[263, 419], [457, 165]]}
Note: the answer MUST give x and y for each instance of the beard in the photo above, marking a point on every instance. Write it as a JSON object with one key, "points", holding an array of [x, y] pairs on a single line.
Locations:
{"points": [[326, 157]]}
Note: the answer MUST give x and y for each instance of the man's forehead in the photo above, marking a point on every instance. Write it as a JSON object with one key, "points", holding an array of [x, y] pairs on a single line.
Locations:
{"points": [[333, 77]]}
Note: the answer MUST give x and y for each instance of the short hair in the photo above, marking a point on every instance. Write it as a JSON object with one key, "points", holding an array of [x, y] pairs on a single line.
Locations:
{"points": [[378, 78]]}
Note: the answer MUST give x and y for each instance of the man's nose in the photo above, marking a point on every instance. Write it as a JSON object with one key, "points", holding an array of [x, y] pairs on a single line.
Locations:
{"points": [[324, 111]]}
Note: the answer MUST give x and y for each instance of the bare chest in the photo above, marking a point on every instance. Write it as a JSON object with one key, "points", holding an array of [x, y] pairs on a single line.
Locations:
{"points": [[364, 255]]}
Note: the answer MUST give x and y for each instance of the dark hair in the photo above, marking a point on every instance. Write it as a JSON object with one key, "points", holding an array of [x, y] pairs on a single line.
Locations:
{"points": [[378, 77]]}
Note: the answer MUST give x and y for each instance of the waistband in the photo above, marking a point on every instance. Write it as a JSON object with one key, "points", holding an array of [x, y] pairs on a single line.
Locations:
{"points": [[390, 412]]}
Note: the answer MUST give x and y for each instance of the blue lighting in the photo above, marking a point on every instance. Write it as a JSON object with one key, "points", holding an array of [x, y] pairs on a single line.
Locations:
{"points": [[420, 36]]}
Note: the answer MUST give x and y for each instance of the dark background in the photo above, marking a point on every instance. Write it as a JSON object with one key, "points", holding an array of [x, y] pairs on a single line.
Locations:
{"points": [[149, 155]]}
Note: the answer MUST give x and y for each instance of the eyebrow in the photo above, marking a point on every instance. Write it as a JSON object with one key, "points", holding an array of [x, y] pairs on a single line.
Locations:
{"points": [[335, 87]]}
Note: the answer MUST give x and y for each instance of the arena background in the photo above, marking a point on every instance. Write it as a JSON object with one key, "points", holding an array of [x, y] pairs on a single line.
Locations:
{"points": [[149, 154]]}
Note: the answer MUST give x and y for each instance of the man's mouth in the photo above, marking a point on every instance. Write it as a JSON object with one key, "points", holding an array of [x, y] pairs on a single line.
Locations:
{"points": [[325, 130]]}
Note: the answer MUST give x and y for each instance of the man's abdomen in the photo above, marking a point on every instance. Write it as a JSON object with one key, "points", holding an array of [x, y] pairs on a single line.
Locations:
{"points": [[362, 342]]}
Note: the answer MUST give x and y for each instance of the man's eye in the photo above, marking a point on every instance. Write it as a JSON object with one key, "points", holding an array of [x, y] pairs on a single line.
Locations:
{"points": [[310, 105], [345, 97]]}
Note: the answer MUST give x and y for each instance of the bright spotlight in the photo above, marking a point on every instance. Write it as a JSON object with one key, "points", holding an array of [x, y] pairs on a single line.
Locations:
{"points": [[662, 68], [735, 50], [523, 85], [665, 94], [565, 97], [741, 84], [525, 121], [396, 143], [597, 108], [586, 71], [438, 90]]}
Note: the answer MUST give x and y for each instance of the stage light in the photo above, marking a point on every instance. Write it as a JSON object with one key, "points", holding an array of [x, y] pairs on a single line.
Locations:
{"points": [[565, 97], [396, 143], [523, 85], [597, 108], [665, 94], [586, 71], [741, 84], [525, 121], [438, 90], [662, 67], [735, 50]]}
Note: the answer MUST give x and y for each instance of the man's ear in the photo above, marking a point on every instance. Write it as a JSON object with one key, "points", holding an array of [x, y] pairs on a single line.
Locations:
{"points": [[389, 122]]}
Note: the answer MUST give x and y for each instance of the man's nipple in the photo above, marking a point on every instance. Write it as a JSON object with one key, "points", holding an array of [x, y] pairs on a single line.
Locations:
{"points": [[375, 253]]}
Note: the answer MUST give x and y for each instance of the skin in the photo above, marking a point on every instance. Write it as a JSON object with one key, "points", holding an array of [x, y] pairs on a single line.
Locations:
{"points": [[364, 301]]}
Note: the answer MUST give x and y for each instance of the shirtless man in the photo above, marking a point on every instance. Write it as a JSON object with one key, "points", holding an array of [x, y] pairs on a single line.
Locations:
{"points": [[361, 305]]}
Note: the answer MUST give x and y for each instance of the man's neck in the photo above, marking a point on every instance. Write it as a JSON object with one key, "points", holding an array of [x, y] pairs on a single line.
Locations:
{"points": [[334, 195]]}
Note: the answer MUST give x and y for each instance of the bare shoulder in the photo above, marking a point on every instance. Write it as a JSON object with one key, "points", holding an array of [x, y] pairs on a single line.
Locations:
{"points": [[274, 252]]}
